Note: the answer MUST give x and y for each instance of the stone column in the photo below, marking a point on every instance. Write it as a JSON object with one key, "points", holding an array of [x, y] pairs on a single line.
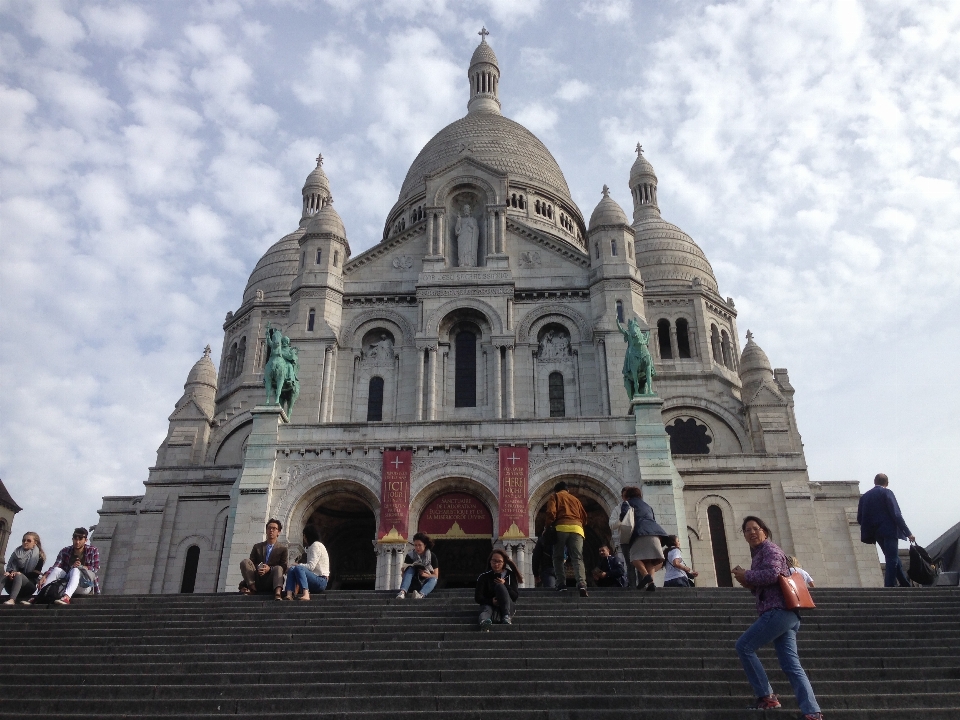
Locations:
{"points": [[250, 497], [661, 483], [419, 384], [604, 399], [497, 383], [432, 383], [502, 227], [389, 559], [325, 383], [431, 240], [674, 347], [510, 409], [441, 236]]}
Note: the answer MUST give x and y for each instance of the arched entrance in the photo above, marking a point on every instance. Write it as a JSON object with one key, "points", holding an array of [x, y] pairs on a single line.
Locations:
{"points": [[461, 526], [597, 531], [347, 528]]}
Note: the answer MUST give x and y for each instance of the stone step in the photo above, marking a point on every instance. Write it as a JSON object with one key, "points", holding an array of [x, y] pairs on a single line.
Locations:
{"points": [[245, 712]]}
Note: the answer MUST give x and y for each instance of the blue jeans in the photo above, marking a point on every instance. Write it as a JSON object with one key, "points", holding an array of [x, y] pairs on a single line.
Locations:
{"points": [[299, 575], [779, 627], [893, 574], [426, 584]]}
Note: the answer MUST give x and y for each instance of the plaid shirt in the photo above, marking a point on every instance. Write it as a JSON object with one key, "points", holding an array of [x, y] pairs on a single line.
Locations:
{"points": [[91, 559]]}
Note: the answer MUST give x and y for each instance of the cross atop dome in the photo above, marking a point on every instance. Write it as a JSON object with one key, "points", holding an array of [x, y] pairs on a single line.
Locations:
{"points": [[605, 191], [483, 34], [319, 160], [749, 336], [639, 149], [206, 351]]}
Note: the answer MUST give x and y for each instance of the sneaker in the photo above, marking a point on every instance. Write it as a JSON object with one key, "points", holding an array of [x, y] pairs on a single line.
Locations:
{"points": [[401, 595], [770, 702], [65, 600], [583, 591], [651, 586], [486, 624], [644, 581], [560, 588], [507, 620], [417, 595], [27, 602]]}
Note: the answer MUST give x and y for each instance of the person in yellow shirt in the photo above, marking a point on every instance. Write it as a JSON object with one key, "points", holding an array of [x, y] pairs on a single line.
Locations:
{"points": [[567, 516]]}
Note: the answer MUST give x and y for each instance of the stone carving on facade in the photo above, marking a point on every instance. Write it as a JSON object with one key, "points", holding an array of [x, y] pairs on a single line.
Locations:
{"points": [[530, 258], [259, 295], [554, 347], [468, 238], [379, 352], [402, 262]]}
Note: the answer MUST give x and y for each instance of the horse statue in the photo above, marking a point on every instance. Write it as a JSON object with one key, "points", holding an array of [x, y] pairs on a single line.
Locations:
{"points": [[281, 370], [638, 370]]}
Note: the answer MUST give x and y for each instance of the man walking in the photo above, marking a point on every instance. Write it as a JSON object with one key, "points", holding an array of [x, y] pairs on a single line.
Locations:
{"points": [[568, 517], [881, 523]]}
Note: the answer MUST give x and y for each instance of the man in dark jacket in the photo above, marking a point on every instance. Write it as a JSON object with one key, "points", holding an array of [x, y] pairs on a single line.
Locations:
{"points": [[881, 523], [263, 571], [609, 571]]}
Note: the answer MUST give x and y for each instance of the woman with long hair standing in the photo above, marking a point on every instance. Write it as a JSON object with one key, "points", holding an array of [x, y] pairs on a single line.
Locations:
{"points": [[645, 552], [775, 625], [23, 568]]}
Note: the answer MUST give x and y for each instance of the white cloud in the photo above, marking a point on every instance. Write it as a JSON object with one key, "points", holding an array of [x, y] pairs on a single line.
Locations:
{"points": [[47, 20], [332, 76], [573, 90], [609, 11], [126, 26], [538, 118]]}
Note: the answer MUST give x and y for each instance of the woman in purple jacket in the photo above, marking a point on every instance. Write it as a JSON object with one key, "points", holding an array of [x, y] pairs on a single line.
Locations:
{"points": [[775, 624]]}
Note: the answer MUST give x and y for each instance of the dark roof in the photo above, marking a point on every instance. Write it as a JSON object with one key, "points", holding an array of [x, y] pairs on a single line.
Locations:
{"points": [[6, 500]]}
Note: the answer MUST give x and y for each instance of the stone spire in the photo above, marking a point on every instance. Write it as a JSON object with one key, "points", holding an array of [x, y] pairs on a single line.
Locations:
{"points": [[755, 368], [643, 187], [316, 191], [484, 75]]}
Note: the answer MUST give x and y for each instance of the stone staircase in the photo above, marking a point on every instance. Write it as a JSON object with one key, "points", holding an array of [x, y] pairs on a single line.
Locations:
{"points": [[885, 654]]}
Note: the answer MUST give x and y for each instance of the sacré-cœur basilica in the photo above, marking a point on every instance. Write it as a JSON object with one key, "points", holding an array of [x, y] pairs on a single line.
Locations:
{"points": [[451, 375]]}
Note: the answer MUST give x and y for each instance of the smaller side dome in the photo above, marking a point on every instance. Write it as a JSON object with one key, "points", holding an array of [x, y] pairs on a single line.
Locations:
{"points": [[641, 169], [203, 372], [316, 191], [607, 212], [755, 367], [326, 221]]}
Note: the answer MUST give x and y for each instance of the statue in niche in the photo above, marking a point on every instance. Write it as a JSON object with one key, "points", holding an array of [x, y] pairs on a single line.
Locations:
{"points": [[468, 237], [380, 351], [554, 346]]}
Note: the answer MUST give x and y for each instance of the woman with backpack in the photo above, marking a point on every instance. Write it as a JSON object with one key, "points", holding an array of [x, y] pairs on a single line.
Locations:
{"points": [[775, 625], [497, 589], [644, 551], [676, 574], [23, 568]]}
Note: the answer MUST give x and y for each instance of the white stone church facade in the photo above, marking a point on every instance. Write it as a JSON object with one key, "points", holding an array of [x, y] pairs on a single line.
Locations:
{"points": [[483, 323]]}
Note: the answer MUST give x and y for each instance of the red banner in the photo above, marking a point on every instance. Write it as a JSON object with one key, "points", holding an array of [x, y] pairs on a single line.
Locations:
{"points": [[395, 495], [456, 515], [514, 472]]}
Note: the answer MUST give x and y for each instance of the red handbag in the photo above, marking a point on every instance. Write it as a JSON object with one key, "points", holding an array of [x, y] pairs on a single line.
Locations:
{"points": [[795, 593]]}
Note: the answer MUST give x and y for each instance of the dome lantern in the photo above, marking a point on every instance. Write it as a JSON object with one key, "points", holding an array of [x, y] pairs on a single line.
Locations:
{"points": [[316, 192], [484, 75], [643, 187]]}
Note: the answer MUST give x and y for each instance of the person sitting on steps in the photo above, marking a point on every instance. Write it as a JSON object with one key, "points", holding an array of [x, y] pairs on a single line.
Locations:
{"points": [[24, 568], [79, 563], [645, 552], [263, 571], [420, 567], [497, 590], [610, 571], [312, 575]]}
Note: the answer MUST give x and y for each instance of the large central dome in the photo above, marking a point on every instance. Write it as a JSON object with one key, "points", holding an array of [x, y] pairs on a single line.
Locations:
{"points": [[494, 140]]}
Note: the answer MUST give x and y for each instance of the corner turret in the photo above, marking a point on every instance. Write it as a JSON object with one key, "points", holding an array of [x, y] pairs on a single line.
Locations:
{"points": [[192, 418]]}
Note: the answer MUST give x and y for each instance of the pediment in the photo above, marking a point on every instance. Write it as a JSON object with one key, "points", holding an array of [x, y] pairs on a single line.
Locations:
{"points": [[530, 239], [767, 394], [189, 410], [399, 259]]}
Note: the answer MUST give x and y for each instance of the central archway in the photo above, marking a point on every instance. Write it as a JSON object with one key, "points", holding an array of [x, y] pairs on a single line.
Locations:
{"points": [[461, 526], [347, 527]]}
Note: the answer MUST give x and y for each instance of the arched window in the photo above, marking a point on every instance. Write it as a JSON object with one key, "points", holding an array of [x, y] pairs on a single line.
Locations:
{"points": [[241, 356], [336, 258], [558, 407], [465, 381], [311, 319], [303, 258], [231, 363], [683, 338], [550, 211], [596, 250], [663, 336], [190, 569], [718, 541], [619, 311], [715, 345], [523, 204], [613, 248], [375, 400], [319, 256], [725, 349]]}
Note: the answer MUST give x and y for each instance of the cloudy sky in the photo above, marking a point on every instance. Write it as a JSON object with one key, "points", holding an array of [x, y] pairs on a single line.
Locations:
{"points": [[151, 152]]}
